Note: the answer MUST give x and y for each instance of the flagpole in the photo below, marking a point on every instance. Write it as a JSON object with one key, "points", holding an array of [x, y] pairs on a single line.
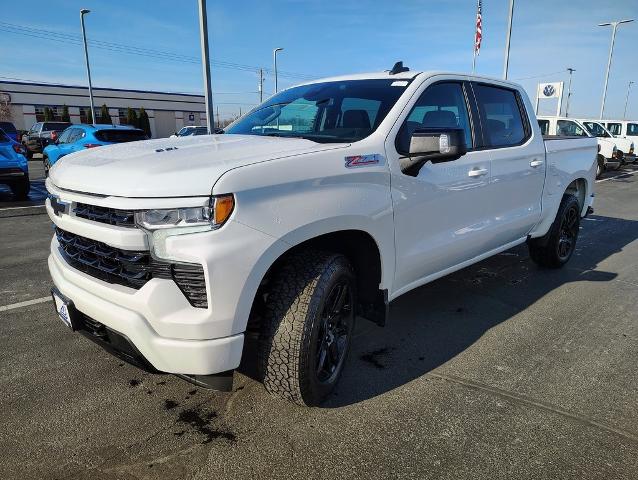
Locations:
{"points": [[474, 61]]}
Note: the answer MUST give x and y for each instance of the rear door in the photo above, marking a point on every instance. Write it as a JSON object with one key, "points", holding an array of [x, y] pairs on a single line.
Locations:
{"points": [[517, 152], [441, 212]]}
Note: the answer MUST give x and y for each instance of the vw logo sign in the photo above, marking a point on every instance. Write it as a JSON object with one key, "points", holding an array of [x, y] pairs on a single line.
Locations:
{"points": [[549, 90]]}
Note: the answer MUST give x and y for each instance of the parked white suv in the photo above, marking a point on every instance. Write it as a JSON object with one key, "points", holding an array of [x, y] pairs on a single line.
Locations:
{"points": [[625, 146], [623, 129], [325, 203], [608, 156]]}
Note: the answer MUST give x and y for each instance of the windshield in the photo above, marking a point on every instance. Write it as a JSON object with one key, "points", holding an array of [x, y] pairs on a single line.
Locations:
{"points": [[329, 112], [596, 129], [632, 129]]}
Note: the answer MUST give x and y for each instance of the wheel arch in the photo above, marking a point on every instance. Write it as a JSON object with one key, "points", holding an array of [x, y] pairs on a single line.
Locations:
{"points": [[361, 249]]}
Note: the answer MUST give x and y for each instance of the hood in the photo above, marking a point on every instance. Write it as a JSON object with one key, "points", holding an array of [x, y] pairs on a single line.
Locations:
{"points": [[171, 167]]}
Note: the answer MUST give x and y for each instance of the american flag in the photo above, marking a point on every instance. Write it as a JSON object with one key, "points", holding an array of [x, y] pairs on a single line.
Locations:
{"points": [[479, 29]]}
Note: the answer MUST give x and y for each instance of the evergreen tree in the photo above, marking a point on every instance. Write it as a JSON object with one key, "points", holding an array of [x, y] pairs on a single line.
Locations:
{"points": [[144, 122], [89, 116], [65, 114], [104, 115], [131, 117], [48, 114]]}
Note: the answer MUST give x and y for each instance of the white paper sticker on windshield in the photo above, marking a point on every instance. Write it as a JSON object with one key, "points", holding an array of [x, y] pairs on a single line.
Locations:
{"points": [[399, 83]]}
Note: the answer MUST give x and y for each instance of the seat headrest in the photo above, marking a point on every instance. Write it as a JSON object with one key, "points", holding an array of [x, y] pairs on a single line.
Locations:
{"points": [[356, 119], [440, 118]]}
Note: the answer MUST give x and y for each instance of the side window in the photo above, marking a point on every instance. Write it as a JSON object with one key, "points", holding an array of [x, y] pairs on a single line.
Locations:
{"points": [[567, 128], [64, 138], [501, 115], [614, 128], [441, 105], [632, 129], [36, 128], [544, 124]]}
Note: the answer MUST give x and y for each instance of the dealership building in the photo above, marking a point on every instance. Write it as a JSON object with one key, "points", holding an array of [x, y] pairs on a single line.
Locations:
{"points": [[167, 112]]}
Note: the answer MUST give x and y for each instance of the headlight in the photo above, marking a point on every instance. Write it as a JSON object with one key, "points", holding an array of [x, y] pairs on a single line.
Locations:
{"points": [[162, 224], [212, 214]]}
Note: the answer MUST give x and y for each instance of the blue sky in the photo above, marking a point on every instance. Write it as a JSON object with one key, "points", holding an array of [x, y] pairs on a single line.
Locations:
{"points": [[326, 37]]}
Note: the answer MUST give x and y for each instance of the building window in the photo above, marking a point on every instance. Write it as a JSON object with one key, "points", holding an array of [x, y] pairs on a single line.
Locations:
{"points": [[56, 112], [85, 115]]}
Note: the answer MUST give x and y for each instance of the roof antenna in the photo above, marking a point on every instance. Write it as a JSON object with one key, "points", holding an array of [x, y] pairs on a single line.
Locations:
{"points": [[398, 68]]}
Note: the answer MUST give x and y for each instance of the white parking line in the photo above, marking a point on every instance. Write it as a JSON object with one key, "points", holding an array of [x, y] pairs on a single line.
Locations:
{"points": [[19, 208], [4, 308], [616, 176]]}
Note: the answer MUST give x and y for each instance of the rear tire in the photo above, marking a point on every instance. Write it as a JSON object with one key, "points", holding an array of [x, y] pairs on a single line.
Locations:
{"points": [[21, 189], [556, 248], [307, 327]]}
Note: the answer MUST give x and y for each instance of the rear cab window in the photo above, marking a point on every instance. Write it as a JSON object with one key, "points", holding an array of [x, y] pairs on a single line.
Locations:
{"points": [[544, 126], [120, 135], [632, 129], [505, 123]]}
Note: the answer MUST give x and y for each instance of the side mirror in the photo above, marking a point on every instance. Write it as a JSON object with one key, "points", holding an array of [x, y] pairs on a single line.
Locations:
{"points": [[435, 145], [438, 144]]}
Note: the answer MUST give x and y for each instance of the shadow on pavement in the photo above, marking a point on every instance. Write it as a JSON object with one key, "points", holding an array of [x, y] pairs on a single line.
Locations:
{"points": [[434, 323]]}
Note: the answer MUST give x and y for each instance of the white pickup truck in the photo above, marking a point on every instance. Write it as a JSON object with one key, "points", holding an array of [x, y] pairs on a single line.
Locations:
{"points": [[323, 204]]}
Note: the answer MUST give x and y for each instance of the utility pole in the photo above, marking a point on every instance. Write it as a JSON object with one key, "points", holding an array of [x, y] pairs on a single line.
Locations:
{"points": [[624, 116], [614, 26], [274, 61], [208, 90], [569, 90], [218, 115], [261, 85], [83, 12], [507, 39]]}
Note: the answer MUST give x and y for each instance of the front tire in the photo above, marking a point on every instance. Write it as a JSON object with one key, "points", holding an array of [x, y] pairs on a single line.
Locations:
{"points": [[307, 327], [556, 248]]}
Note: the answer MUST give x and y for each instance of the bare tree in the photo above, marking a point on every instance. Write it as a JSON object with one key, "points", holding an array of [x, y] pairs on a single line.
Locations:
{"points": [[5, 106]]}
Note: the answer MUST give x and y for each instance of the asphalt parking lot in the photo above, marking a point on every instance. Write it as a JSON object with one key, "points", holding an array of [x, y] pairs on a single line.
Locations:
{"points": [[501, 370]]}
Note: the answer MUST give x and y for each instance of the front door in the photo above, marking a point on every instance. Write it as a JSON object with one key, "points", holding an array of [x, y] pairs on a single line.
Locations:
{"points": [[442, 215]]}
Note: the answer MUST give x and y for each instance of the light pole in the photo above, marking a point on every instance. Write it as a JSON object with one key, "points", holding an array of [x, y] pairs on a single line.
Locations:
{"points": [[507, 39], [569, 90], [83, 12], [624, 115], [208, 90], [614, 26], [274, 60]]}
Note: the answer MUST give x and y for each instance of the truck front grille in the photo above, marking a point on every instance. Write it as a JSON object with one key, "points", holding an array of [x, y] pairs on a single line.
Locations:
{"points": [[111, 216], [130, 268]]}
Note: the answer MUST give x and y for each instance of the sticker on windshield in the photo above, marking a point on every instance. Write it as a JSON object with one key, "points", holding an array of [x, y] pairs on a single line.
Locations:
{"points": [[363, 160]]}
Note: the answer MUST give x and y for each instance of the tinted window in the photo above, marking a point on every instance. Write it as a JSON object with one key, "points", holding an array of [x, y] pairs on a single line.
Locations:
{"points": [[58, 126], [501, 115], [3, 137], [632, 129], [596, 129], [614, 128], [120, 135], [76, 134], [64, 138], [8, 127], [567, 128], [441, 106], [340, 111], [544, 124]]}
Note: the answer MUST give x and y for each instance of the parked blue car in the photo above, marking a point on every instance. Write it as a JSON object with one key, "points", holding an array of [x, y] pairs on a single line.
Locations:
{"points": [[10, 130], [79, 137], [14, 167]]}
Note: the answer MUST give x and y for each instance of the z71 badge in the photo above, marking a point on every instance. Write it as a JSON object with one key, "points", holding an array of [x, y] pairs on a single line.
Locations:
{"points": [[363, 160]]}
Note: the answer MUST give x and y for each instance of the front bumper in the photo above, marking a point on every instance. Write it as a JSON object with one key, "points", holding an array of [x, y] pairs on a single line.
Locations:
{"points": [[171, 355]]}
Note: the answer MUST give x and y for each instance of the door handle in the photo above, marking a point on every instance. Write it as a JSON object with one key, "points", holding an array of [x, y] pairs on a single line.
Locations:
{"points": [[477, 172], [535, 163]]}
